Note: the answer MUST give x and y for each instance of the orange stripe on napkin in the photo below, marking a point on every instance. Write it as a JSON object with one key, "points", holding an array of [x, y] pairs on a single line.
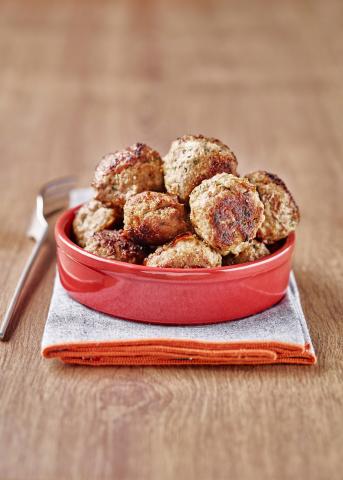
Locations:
{"points": [[180, 352]]}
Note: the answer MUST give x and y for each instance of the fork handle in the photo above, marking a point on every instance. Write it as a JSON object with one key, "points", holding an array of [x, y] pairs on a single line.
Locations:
{"points": [[21, 282]]}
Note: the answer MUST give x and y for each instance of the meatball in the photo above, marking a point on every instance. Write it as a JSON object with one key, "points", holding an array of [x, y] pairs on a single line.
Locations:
{"points": [[193, 158], [115, 245], [154, 218], [226, 212], [185, 251], [280, 210], [93, 217], [120, 175], [253, 251]]}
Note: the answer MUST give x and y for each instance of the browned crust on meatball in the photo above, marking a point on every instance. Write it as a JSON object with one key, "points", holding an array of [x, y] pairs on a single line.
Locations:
{"points": [[245, 212], [126, 172], [185, 251], [93, 217], [281, 211], [194, 158], [118, 161], [154, 218], [115, 245], [226, 212]]}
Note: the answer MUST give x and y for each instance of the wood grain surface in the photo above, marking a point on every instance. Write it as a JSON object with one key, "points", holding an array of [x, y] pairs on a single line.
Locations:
{"points": [[79, 79]]}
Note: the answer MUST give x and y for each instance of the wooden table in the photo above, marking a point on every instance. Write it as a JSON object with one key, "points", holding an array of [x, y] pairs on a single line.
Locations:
{"points": [[79, 79]]}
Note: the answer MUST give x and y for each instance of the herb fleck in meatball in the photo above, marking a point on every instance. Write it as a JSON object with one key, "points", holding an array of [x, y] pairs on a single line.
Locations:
{"points": [[154, 218], [115, 245], [252, 251], [185, 251], [120, 175], [226, 212], [193, 158], [93, 217], [280, 210]]}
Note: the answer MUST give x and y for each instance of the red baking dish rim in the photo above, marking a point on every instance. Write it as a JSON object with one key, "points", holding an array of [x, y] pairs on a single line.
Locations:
{"points": [[80, 255]]}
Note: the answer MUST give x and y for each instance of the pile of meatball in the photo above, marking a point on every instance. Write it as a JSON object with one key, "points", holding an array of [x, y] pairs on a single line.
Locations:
{"points": [[190, 209]]}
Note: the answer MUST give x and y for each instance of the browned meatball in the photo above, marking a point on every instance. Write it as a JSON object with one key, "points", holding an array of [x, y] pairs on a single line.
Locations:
{"points": [[226, 212], [93, 217], [193, 158], [280, 210], [154, 218], [120, 175], [115, 245], [185, 251], [253, 251]]}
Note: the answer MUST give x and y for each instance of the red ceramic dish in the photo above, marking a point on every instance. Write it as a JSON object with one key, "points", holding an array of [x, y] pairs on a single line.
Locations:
{"points": [[166, 295]]}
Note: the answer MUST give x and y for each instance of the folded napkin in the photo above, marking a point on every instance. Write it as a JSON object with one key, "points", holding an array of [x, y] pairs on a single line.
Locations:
{"points": [[77, 334]]}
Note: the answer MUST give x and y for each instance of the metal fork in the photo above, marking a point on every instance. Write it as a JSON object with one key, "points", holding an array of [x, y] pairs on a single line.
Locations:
{"points": [[52, 197]]}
